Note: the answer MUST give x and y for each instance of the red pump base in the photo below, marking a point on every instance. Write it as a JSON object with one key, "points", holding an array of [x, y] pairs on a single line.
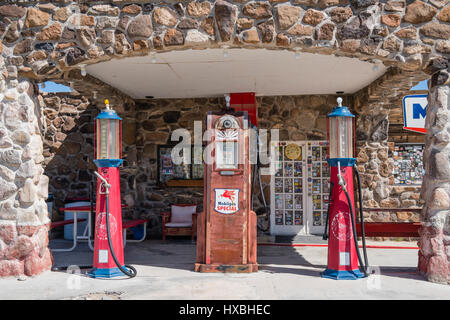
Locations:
{"points": [[342, 256], [104, 265]]}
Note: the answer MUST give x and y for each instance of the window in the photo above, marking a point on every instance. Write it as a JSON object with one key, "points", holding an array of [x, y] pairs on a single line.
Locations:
{"points": [[174, 174], [408, 163]]}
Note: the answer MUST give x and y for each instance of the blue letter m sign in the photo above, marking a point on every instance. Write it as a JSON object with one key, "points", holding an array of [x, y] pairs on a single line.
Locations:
{"points": [[419, 111]]}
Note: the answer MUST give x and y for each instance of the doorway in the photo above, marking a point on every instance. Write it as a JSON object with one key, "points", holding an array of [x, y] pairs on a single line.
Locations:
{"points": [[299, 187]]}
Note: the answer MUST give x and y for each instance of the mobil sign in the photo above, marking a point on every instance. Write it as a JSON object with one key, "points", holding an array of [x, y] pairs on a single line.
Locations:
{"points": [[415, 112]]}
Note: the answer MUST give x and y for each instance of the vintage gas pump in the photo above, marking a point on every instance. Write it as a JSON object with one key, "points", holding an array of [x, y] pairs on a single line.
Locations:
{"points": [[343, 250], [226, 233], [108, 245]]}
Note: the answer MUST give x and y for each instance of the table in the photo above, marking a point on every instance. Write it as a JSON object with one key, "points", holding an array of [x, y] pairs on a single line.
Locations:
{"points": [[87, 233]]}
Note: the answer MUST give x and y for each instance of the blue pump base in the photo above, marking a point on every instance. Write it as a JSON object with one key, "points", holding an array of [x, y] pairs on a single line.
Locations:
{"points": [[342, 274], [106, 273]]}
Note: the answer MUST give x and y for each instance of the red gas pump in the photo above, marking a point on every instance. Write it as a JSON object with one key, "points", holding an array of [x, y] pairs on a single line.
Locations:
{"points": [[108, 245], [343, 250], [226, 233]]}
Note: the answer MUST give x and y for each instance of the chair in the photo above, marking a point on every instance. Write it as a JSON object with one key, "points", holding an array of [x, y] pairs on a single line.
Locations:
{"points": [[181, 221]]}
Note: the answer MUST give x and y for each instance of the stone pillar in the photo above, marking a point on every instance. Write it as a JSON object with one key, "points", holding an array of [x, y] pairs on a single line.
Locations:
{"points": [[23, 187], [434, 243]]}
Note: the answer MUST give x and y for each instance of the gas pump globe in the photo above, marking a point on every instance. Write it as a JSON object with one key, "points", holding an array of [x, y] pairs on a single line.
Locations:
{"points": [[343, 252], [108, 126], [340, 132]]}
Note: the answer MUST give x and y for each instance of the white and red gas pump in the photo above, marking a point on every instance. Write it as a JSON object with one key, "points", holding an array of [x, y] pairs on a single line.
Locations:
{"points": [[108, 244], [226, 229], [343, 250]]}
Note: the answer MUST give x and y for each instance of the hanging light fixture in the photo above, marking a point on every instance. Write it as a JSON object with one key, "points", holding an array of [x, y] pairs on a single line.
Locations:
{"points": [[83, 70], [225, 51], [153, 57]]}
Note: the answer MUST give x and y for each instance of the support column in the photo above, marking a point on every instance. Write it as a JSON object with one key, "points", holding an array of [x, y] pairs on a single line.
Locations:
{"points": [[434, 243], [23, 187]]}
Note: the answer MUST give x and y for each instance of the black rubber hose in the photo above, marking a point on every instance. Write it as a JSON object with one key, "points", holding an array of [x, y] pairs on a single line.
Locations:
{"points": [[325, 232], [355, 236], [361, 218], [133, 271]]}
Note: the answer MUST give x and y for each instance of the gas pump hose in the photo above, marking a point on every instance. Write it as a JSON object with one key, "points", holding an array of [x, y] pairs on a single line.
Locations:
{"points": [[355, 236], [325, 232], [133, 271], [361, 218]]}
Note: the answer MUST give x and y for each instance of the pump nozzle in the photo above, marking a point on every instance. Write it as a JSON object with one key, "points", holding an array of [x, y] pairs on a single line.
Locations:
{"points": [[341, 182]]}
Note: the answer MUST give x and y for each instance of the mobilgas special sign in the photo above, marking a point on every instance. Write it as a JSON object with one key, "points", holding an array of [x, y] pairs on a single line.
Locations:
{"points": [[227, 200], [415, 112]]}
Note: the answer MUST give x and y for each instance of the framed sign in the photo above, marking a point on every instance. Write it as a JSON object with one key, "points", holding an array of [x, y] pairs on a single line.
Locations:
{"points": [[187, 173], [415, 112]]}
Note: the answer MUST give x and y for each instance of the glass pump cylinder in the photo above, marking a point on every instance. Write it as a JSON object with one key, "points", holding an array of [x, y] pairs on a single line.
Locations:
{"points": [[108, 140], [340, 133]]}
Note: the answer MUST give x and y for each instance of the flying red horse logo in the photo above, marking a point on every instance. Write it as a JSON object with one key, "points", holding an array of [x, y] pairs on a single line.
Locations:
{"points": [[230, 194]]}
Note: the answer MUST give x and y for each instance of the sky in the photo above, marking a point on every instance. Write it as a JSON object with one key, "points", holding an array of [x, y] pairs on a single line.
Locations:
{"points": [[54, 87], [422, 85]]}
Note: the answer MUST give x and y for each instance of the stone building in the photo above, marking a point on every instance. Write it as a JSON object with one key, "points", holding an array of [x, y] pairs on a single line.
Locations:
{"points": [[163, 65]]}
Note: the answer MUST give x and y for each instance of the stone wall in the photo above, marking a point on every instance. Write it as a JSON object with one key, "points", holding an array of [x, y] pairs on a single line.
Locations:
{"points": [[49, 39], [23, 186]]}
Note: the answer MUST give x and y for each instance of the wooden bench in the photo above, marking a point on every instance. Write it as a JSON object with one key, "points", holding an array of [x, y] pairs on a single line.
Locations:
{"points": [[390, 229], [62, 223]]}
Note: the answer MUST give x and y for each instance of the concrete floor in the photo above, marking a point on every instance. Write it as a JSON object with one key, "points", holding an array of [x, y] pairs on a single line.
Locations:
{"points": [[165, 271]]}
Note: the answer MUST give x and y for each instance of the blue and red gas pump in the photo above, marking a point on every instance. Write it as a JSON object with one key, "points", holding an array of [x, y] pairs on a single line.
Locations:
{"points": [[108, 245], [343, 249]]}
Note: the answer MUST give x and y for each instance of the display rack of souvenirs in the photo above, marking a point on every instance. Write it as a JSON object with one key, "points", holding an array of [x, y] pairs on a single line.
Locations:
{"points": [[278, 169], [315, 152], [324, 153], [288, 186], [316, 169], [288, 218], [279, 201], [317, 218], [298, 217], [298, 169], [317, 202], [298, 185], [278, 217], [288, 169], [278, 185], [325, 186], [298, 201], [288, 202], [316, 185], [325, 169], [408, 164]]}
